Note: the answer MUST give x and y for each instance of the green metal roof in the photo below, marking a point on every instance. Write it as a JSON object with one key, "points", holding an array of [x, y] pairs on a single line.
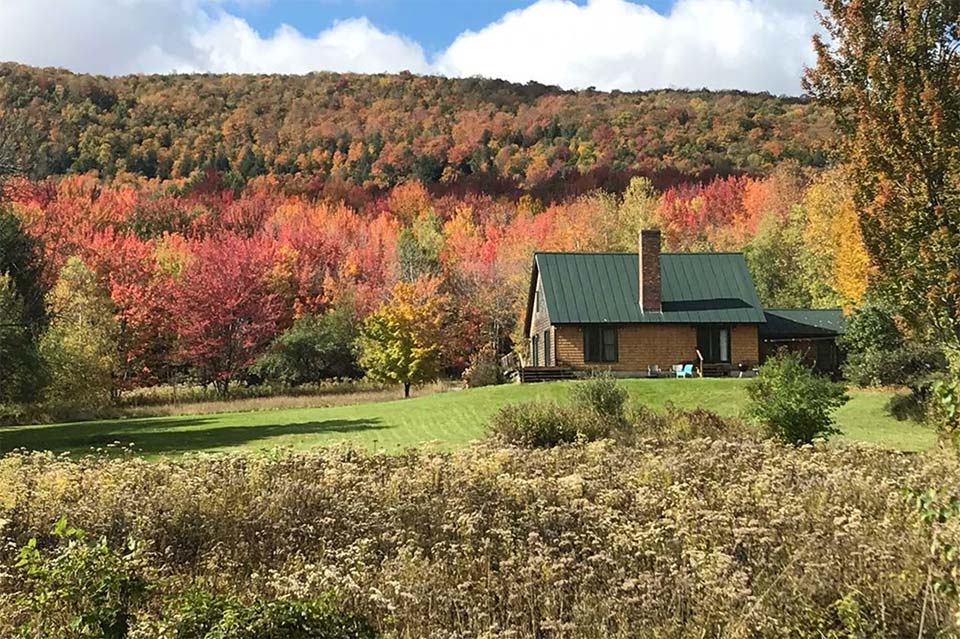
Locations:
{"points": [[803, 322], [697, 288]]}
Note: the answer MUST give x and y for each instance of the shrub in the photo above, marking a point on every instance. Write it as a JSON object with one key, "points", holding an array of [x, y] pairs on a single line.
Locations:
{"points": [[535, 424], [484, 369], [542, 424], [677, 424], [83, 588], [888, 367], [314, 349], [871, 328], [603, 395], [945, 409], [200, 615], [793, 403], [908, 406]]}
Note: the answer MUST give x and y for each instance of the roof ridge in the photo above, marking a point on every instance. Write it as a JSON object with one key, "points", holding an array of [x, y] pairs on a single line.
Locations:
{"points": [[637, 253], [584, 252], [802, 308]]}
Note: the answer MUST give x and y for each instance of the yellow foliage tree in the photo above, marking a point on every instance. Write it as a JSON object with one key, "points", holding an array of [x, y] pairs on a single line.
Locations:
{"points": [[637, 211], [401, 341], [80, 346], [838, 261], [851, 262]]}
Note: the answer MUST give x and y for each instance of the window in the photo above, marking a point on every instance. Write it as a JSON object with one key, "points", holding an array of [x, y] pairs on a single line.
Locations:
{"points": [[546, 347], [599, 344], [535, 348], [713, 342]]}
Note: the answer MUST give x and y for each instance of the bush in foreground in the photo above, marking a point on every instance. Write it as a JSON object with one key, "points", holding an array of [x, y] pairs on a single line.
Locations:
{"points": [[597, 410], [602, 395], [83, 588], [674, 540], [536, 424], [793, 403], [199, 615], [677, 424]]}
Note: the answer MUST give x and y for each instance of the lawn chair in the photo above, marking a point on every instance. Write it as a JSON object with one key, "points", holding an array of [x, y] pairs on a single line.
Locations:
{"points": [[685, 371], [653, 370]]}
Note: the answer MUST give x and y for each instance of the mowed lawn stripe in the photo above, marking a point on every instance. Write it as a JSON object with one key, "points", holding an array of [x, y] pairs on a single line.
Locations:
{"points": [[451, 420]]}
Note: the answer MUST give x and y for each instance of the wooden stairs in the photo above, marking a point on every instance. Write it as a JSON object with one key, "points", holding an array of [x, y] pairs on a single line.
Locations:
{"points": [[534, 374]]}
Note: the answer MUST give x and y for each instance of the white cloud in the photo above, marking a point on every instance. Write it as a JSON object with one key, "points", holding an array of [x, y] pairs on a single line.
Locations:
{"points": [[609, 44], [231, 45], [99, 36], [159, 36], [616, 44]]}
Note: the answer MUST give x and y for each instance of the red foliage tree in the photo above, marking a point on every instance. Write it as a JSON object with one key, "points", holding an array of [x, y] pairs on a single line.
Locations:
{"points": [[226, 309], [142, 295]]}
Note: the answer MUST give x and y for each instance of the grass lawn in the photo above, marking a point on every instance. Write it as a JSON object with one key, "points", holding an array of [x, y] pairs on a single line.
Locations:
{"points": [[450, 419]]}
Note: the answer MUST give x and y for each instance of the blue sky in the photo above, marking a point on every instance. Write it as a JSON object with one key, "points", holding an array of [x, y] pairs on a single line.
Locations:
{"points": [[754, 45], [435, 24]]}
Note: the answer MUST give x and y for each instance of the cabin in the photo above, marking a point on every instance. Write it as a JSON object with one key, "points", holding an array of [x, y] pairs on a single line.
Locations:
{"points": [[652, 313]]}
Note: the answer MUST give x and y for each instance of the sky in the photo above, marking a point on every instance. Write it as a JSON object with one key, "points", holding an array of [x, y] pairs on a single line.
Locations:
{"points": [[753, 45]]}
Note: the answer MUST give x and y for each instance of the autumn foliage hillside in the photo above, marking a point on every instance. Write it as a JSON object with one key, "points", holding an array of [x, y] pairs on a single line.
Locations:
{"points": [[202, 280], [375, 131]]}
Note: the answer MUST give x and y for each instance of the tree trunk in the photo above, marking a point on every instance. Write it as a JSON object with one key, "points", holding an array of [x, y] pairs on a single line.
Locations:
{"points": [[406, 390]]}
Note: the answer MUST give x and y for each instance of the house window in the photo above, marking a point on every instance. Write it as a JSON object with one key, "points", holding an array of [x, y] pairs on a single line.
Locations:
{"points": [[600, 344], [535, 347], [713, 342], [546, 348]]}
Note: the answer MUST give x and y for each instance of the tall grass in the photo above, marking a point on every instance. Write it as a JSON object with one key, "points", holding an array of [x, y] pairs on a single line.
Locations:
{"points": [[704, 538]]}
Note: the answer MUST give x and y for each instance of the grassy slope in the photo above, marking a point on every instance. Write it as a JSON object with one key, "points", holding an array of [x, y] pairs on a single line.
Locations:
{"points": [[451, 419]]}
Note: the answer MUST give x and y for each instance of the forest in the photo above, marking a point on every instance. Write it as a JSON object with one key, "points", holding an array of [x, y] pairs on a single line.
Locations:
{"points": [[378, 131], [210, 284], [310, 207]]}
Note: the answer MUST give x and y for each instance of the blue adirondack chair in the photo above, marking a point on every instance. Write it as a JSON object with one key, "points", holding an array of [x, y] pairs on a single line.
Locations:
{"points": [[686, 371]]}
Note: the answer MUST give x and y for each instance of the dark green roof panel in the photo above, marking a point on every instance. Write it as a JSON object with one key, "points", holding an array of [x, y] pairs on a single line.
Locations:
{"points": [[697, 288], [803, 322]]}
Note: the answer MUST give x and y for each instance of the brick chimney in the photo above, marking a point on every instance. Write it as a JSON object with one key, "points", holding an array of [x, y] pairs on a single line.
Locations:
{"points": [[650, 288]]}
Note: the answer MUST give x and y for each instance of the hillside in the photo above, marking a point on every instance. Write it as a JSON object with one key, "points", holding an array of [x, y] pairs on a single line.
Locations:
{"points": [[374, 131]]}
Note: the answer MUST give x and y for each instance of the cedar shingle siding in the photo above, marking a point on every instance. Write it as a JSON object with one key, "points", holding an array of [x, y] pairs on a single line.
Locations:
{"points": [[643, 345]]}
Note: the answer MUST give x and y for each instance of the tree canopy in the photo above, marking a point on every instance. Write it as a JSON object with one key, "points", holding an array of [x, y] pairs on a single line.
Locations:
{"points": [[401, 341], [377, 131], [890, 70]]}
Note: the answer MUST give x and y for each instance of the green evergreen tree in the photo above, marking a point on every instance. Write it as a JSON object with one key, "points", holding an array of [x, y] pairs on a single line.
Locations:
{"points": [[315, 348], [20, 259], [21, 371]]}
